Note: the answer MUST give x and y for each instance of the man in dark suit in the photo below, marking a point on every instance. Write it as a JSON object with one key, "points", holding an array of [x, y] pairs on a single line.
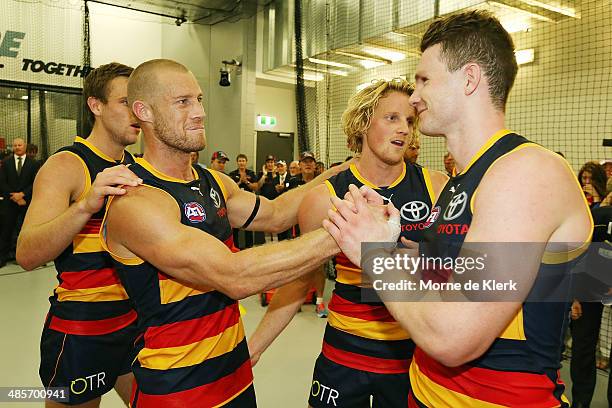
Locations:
{"points": [[17, 175]]}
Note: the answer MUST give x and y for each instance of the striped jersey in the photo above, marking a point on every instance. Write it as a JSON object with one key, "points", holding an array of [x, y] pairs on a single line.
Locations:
{"points": [[521, 368], [193, 350], [89, 298], [363, 335]]}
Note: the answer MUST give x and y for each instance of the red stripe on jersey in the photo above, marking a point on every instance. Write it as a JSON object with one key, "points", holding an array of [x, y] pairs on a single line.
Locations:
{"points": [[93, 278], [230, 244], [208, 395], [92, 227], [507, 388], [341, 259], [191, 331], [365, 363], [360, 311], [92, 327]]}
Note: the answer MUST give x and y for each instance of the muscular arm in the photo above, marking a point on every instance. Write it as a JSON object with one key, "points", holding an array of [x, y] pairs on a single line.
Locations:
{"points": [[146, 224], [55, 216], [274, 215], [288, 299], [535, 201]]}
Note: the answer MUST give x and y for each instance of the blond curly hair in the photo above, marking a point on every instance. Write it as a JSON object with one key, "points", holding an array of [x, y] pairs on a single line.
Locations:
{"points": [[357, 117]]}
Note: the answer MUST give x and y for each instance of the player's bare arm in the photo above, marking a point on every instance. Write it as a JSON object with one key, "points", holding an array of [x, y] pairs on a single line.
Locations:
{"points": [[288, 299], [62, 203], [145, 223]]}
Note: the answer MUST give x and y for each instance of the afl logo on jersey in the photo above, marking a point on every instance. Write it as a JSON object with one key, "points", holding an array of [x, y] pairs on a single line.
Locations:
{"points": [[435, 213], [414, 211], [195, 212], [456, 206], [215, 197]]}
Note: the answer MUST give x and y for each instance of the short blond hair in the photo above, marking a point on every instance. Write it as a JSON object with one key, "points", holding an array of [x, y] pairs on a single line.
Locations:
{"points": [[357, 117]]}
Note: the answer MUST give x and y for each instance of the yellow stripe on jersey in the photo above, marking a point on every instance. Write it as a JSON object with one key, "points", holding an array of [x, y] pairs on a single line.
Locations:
{"points": [[172, 291], [348, 276], [490, 142], [86, 244], [192, 354], [370, 329], [234, 396], [555, 258], [217, 178], [95, 150], [433, 394], [86, 177], [104, 294], [429, 185], [365, 181], [515, 329]]}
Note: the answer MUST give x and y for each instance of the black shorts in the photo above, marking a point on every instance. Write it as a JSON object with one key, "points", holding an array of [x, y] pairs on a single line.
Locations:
{"points": [[87, 365], [335, 385]]}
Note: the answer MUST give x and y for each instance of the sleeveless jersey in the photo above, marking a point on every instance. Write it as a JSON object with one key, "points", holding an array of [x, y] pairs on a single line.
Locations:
{"points": [[521, 366], [89, 298], [364, 335], [193, 349]]}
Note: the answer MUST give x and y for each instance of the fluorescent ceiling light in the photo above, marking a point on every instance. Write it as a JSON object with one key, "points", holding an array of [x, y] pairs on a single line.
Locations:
{"points": [[362, 57], [387, 54], [524, 56], [566, 11], [367, 64], [330, 63], [515, 25], [324, 71], [361, 86], [519, 11]]}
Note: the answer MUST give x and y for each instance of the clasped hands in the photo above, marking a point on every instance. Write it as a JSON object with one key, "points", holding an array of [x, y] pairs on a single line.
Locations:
{"points": [[362, 216]]}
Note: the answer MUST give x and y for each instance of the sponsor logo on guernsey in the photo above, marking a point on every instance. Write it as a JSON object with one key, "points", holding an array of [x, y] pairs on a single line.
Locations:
{"points": [[215, 197], [456, 206], [414, 211], [195, 212]]}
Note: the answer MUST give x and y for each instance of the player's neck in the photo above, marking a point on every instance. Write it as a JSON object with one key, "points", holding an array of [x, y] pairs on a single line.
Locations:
{"points": [[378, 172], [470, 135], [167, 160], [103, 141]]}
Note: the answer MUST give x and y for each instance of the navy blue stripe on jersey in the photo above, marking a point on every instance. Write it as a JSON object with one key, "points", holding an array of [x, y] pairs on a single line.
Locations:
{"points": [[184, 378], [389, 349]]}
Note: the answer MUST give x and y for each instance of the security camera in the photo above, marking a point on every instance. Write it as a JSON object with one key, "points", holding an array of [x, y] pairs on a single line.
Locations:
{"points": [[225, 77]]}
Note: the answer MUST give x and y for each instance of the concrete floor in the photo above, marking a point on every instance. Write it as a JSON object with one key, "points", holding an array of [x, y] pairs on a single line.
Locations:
{"points": [[282, 376]]}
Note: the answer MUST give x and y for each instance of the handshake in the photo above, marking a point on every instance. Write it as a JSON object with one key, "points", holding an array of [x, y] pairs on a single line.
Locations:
{"points": [[362, 216]]}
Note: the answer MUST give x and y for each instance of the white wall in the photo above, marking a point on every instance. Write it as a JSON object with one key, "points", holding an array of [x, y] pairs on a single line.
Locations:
{"points": [[278, 102]]}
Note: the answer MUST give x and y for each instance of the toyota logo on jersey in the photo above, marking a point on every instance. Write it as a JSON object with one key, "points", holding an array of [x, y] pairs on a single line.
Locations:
{"points": [[414, 211], [456, 206], [195, 212]]}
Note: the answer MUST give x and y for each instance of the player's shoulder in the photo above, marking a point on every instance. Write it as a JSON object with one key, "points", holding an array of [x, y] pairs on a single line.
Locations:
{"points": [[532, 163]]}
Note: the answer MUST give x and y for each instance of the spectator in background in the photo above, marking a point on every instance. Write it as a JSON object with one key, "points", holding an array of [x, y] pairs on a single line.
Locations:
{"points": [[246, 180], [449, 164], [281, 184], [32, 151], [195, 162], [607, 165], [267, 186], [592, 178], [218, 160], [16, 180], [294, 168], [308, 173], [414, 148], [587, 308], [320, 168]]}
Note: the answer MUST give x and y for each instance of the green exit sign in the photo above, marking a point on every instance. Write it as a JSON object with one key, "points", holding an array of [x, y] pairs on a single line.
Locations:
{"points": [[263, 120]]}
